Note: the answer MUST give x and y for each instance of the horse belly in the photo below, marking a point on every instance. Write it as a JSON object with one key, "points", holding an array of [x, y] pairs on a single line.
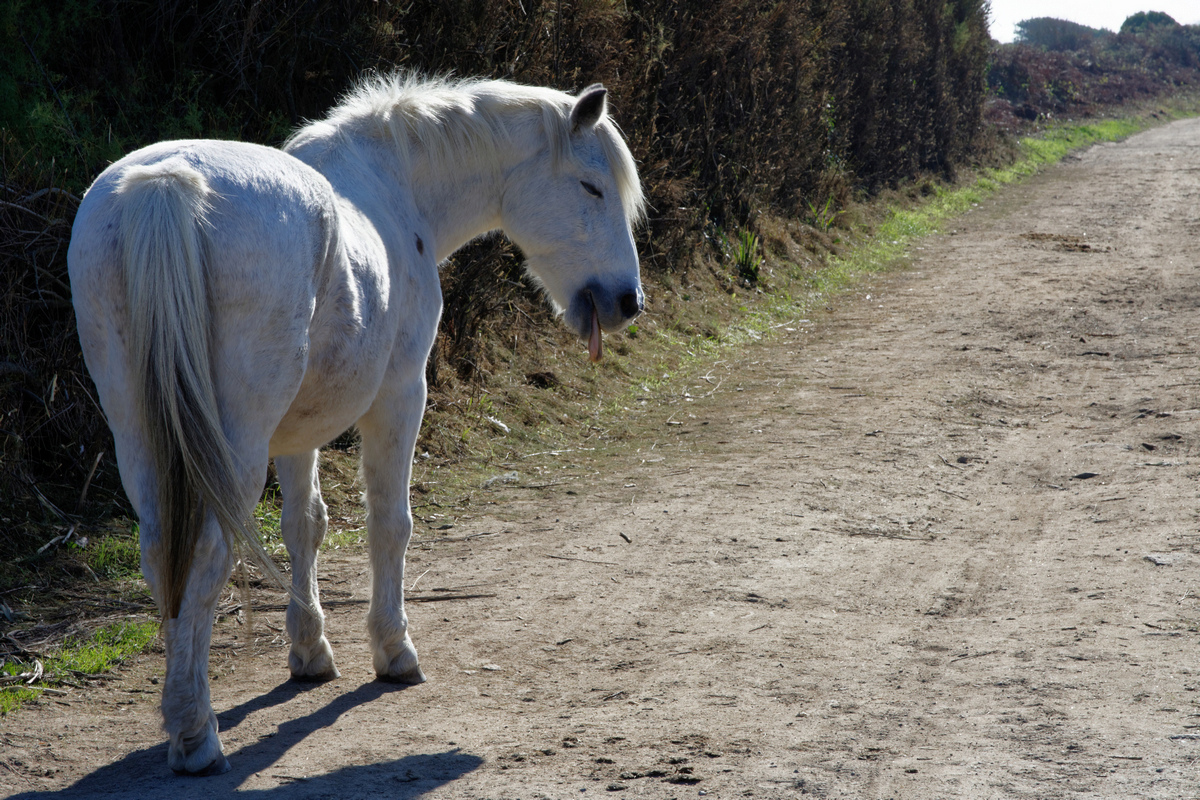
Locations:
{"points": [[351, 336], [329, 402]]}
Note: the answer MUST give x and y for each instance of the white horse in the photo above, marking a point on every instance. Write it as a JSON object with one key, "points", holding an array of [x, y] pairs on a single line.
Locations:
{"points": [[237, 303]]}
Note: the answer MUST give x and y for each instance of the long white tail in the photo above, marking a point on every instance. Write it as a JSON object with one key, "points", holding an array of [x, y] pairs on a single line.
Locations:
{"points": [[163, 211]]}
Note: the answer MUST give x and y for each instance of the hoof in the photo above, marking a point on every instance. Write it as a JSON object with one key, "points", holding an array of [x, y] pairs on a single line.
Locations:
{"points": [[315, 666], [399, 664], [411, 677], [198, 754], [218, 767], [316, 677]]}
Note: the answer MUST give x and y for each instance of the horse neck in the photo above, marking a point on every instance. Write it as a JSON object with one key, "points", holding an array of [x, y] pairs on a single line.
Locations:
{"points": [[458, 197], [461, 196], [459, 200]]}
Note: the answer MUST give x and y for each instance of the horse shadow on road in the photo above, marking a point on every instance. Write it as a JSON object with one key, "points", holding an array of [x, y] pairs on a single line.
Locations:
{"points": [[143, 774]]}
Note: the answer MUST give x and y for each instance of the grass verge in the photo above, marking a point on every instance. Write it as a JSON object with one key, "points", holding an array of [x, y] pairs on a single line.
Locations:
{"points": [[80, 659]]}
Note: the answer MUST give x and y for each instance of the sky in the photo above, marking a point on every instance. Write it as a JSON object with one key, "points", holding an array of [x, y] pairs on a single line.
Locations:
{"points": [[1093, 13]]}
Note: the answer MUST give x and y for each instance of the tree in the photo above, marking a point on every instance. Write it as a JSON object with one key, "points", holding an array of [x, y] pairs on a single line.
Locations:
{"points": [[1143, 21], [1057, 35]]}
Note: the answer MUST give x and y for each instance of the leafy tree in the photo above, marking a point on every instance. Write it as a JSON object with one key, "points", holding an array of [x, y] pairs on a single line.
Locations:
{"points": [[1057, 35], [1143, 21]]}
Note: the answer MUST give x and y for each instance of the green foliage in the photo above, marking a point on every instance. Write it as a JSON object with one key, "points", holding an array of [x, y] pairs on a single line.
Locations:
{"points": [[1074, 71], [269, 516], [746, 257], [824, 216], [106, 648]]}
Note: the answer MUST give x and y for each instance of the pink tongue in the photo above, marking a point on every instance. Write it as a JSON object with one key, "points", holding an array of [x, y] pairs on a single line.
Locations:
{"points": [[594, 347]]}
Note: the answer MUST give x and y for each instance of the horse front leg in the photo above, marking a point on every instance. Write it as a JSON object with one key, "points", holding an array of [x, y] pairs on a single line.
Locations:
{"points": [[304, 523], [389, 437]]}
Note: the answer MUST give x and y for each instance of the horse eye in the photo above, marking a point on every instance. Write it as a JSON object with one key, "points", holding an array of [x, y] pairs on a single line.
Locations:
{"points": [[592, 190]]}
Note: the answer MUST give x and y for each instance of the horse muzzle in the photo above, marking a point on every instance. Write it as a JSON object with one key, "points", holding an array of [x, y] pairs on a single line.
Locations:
{"points": [[597, 308]]}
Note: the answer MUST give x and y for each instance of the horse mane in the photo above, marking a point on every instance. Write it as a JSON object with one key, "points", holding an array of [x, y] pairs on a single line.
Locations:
{"points": [[446, 118]]}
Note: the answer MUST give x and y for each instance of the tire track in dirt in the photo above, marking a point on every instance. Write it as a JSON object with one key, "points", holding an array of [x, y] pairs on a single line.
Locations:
{"points": [[944, 544]]}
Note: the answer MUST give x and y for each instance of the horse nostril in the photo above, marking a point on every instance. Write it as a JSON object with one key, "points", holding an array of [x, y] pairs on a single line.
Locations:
{"points": [[630, 305]]}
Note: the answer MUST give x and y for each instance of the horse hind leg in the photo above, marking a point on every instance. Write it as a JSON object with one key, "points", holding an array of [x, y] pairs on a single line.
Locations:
{"points": [[188, 719], [304, 523]]}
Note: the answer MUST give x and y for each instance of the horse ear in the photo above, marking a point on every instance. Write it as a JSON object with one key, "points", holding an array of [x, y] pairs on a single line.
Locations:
{"points": [[589, 107]]}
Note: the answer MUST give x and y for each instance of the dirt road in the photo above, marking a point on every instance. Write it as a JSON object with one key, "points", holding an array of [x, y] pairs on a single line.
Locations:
{"points": [[942, 544]]}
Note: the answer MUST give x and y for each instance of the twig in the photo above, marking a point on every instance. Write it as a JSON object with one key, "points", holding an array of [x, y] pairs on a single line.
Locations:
{"points": [[413, 585], [29, 211], [466, 538], [9, 367], [584, 560], [88, 481], [58, 539], [438, 598], [40, 193], [95, 676], [879, 535], [46, 502], [555, 452]]}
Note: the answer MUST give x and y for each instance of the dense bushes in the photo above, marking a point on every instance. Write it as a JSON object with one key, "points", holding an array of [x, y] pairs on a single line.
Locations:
{"points": [[731, 107]]}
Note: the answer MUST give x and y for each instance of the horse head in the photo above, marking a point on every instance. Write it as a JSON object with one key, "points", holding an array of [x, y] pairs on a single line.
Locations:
{"points": [[571, 208]]}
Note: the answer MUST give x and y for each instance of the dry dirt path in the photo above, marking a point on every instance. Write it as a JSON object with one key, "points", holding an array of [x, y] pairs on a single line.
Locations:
{"points": [[942, 544]]}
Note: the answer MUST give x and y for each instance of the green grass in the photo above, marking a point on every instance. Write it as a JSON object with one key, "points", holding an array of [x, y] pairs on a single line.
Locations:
{"points": [[114, 555], [117, 556], [269, 514], [100, 652]]}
